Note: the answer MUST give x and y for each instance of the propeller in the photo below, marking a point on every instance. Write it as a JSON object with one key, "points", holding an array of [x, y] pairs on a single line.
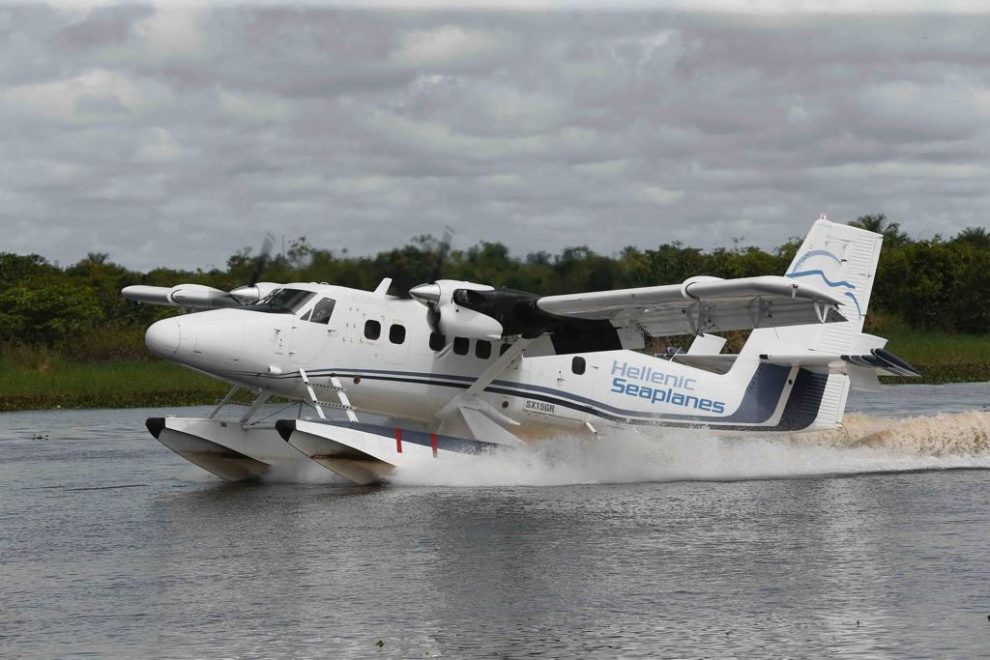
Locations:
{"points": [[251, 292], [262, 260], [467, 309], [430, 294], [432, 308], [448, 234], [199, 296]]}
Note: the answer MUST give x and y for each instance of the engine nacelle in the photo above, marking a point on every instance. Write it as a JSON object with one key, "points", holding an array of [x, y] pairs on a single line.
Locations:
{"points": [[451, 319], [181, 295], [200, 296], [248, 295], [457, 321]]}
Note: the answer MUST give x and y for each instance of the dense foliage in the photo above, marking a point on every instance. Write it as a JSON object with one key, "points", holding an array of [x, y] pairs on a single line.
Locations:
{"points": [[938, 284]]}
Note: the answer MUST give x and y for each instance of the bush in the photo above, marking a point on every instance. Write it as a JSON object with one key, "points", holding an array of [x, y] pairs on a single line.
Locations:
{"points": [[47, 314]]}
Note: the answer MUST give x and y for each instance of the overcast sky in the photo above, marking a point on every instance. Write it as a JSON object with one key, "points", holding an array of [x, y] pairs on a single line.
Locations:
{"points": [[175, 135]]}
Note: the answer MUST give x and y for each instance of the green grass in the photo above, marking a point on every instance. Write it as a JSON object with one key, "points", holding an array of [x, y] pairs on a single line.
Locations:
{"points": [[66, 384], [941, 358], [932, 347]]}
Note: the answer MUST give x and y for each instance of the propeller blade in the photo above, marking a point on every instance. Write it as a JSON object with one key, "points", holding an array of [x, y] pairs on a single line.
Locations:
{"points": [[429, 295], [448, 234], [262, 260], [433, 317]]}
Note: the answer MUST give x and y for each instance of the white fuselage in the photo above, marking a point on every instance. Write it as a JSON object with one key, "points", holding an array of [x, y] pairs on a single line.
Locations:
{"points": [[378, 348]]}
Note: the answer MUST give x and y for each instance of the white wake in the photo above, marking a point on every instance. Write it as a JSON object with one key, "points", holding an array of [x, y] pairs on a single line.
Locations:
{"points": [[866, 444]]}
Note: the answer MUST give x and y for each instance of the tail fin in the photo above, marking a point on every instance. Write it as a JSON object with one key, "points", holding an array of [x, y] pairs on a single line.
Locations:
{"points": [[844, 260]]}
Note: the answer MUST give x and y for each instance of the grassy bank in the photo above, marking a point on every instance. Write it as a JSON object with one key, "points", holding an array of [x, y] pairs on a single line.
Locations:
{"points": [[941, 358], [38, 380], [68, 384]]}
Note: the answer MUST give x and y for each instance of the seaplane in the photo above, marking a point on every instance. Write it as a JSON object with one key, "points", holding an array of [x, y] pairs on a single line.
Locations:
{"points": [[454, 369]]}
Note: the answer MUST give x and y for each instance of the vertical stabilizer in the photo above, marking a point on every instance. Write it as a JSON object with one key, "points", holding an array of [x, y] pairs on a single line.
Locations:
{"points": [[839, 258], [842, 259]]}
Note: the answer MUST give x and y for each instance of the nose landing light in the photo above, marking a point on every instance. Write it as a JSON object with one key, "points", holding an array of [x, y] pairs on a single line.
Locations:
{"points": [[162, 337]]}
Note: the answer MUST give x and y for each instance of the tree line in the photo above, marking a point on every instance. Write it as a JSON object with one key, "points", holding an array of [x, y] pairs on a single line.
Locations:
{"points": [[938, 284]]}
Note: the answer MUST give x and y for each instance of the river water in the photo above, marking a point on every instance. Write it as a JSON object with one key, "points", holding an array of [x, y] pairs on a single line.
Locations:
{"points": [[872, 542]]}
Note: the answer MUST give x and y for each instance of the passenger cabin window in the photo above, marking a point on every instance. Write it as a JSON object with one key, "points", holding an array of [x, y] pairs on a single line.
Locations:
{"points": [[578, 365], [483, 349], [397, 333], [462, 345], [372, 329], [288, 300], [437, 341], [322, 311]]}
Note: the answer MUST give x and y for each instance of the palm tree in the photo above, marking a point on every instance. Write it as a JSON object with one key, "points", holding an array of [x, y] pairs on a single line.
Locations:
{"points": [[878, 223], [975, 236]]}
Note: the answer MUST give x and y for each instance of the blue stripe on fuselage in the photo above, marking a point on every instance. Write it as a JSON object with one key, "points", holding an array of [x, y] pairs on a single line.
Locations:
{"points": [[760, 398]]}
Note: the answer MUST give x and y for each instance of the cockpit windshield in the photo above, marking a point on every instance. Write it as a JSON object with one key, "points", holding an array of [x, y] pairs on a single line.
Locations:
{"points": [[322, 311], [288, 300]]}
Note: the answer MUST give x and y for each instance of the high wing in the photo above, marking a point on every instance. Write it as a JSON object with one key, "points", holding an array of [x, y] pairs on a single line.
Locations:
{"points": [[703, 304]]}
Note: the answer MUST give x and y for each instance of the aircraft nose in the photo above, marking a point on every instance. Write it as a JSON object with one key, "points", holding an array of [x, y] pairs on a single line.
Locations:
{"points": [[163, 337]]}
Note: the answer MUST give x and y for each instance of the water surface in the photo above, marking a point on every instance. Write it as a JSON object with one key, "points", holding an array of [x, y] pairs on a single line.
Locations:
{"points": [[872, 544]]}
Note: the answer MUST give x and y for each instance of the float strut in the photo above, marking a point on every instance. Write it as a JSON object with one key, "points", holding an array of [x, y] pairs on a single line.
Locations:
{"points": [[260, 401], [224, 401]]}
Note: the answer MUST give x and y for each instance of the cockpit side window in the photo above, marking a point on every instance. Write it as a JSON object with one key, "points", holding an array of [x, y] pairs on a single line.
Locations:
{"points": [[322, 311], [289, 300]]}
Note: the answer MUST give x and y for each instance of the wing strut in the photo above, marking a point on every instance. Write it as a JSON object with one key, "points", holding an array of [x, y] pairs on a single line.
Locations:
{"points": [[473, 409], [487, 376]]}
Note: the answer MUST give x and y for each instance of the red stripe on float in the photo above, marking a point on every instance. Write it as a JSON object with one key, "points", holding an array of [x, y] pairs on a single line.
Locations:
{"points": [[398, 439], [433, 443]]}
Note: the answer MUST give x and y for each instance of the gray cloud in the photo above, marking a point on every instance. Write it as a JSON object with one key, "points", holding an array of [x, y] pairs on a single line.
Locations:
{"points": [[174, 135]]}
